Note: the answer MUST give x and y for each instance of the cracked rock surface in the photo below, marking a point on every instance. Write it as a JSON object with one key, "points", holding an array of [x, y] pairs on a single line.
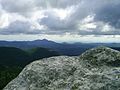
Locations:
{"points": [[96, 69]]}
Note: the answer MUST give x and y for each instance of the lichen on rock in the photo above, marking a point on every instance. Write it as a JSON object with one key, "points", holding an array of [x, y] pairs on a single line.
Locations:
{"points": [[96, 69]]}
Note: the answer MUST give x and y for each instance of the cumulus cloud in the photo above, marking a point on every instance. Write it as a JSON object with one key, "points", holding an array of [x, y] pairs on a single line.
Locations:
{"points": [[19, 6], [54, 22], [28, 6], [81, 17], [19, 27]]}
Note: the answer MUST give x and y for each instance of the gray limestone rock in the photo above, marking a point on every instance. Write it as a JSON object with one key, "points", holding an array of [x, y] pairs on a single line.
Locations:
{"points": [[96, 69]]}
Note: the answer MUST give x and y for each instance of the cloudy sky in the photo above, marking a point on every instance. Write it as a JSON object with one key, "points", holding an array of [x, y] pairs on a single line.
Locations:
{"points": [[60, 20]]}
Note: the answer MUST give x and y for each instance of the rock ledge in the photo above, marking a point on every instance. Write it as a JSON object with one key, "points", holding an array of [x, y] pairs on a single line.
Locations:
{"points": [[96, 69]]}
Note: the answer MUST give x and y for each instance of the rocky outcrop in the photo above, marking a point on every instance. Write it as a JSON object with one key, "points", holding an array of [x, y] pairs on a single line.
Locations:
{"points": [[96, 69]]}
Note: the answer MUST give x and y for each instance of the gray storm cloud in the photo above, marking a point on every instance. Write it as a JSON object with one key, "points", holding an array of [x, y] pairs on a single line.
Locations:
{"points": [[110, 14], [22, 6], [104, 11], [19, 27]]}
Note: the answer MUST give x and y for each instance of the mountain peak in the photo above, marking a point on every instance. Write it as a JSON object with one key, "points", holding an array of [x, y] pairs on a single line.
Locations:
{"points": [[45, 40], [41, 40]]}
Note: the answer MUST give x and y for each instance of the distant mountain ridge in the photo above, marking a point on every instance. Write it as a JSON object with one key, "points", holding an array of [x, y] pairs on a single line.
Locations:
{"points": [[63, 48], [28, 44]]}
